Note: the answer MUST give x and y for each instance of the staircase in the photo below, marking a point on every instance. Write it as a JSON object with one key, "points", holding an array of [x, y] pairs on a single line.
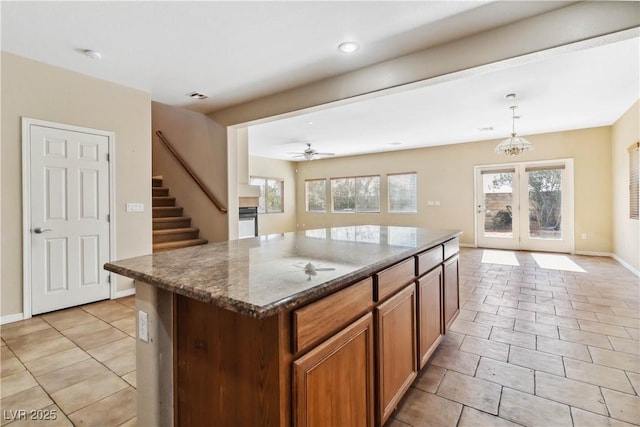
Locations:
{"points": [[171, 230]]}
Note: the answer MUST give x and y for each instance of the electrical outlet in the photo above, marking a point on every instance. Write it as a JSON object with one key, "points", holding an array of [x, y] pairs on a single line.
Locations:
{"points": [[584, 236], [143, 326], [430, 202], [437, 202]]}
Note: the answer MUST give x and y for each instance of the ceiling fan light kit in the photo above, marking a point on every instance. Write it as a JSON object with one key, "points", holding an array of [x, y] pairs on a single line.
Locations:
{"points": [[514, 145], [311, 154]]}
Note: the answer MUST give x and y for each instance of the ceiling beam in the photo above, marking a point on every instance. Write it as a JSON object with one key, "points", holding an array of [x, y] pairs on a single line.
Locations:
{"points": [[576, 23]]}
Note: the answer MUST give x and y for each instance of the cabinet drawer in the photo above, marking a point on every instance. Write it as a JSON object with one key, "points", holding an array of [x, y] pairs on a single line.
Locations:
{"points": [[394, 278], [451, 247], [429, 259], [318, 320]]}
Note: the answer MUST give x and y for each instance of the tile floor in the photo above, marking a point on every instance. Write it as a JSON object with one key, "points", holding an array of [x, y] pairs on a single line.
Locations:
{"points": [[74, 367], [532, 346]]}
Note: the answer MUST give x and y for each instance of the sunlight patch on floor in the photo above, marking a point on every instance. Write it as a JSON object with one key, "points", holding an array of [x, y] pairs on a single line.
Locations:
{"points": [[557, 262], [499, 257]]}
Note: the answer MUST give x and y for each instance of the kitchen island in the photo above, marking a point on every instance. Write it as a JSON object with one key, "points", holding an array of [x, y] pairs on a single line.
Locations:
{"points": [[317, 327]]}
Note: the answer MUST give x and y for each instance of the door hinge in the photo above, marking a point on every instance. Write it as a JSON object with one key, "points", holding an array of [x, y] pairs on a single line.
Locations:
{"points": [[108, 217], [109, 278], [108, 158]]}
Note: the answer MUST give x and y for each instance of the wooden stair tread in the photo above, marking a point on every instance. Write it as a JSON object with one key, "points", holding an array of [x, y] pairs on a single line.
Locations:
{"points": [[165, 208], [178, 244], [171, 218], [175, 230]]}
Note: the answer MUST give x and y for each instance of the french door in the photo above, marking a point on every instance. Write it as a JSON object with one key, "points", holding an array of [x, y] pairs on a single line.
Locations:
{"points": [[525, 206]]}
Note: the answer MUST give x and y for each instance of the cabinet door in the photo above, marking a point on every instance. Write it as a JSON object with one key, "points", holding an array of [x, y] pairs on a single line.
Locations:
{"points": [[333, 383], [451, 299], [429, 314], [397, 367]]}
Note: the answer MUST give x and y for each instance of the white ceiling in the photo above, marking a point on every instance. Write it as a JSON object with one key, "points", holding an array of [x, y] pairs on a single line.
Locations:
{"points": [[581, 89], [236, 51]]}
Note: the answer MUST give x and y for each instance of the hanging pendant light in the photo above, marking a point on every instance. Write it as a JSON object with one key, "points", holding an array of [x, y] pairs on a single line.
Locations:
{"points": [[515, 144]]}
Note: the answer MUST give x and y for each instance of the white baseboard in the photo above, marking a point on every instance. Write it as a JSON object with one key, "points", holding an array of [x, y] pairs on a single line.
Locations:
{"points": [[125, 293], [592, 253], [10, 318], [626, 265], [614, 256]]}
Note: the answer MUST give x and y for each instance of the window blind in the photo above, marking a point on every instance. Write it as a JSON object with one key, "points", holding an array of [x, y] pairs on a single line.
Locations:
{"points": [[634, 180]]}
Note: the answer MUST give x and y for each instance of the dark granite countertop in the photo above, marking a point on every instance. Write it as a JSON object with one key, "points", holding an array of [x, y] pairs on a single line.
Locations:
{"points": [[263, 275]]}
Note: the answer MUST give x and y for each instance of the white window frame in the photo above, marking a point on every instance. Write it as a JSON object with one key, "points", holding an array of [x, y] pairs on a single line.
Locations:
{"points": [[406, 212], [355, 209], [306, 195], [266, 180]]}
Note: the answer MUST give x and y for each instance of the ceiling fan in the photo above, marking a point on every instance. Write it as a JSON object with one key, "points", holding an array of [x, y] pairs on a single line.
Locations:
{"points": [[310, 153]]}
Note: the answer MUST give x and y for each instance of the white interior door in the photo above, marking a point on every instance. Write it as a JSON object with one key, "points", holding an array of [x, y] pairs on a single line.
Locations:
{"points": [[69, 223], [526, 206]]}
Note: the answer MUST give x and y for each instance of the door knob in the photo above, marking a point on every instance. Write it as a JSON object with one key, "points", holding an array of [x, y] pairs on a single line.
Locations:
{"points": [[39, 230]]}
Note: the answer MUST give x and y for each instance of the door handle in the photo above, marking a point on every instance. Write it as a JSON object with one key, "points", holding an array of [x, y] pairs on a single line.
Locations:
{"points": [[39, 230]]}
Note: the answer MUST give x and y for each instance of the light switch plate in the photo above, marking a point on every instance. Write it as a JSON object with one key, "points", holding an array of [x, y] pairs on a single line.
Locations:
{"points": [[135, 207]]}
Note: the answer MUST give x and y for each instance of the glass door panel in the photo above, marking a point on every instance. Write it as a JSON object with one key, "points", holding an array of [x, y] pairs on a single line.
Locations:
{"points": [[498, 202], [549, 189], [498, 221], [545, 204]]}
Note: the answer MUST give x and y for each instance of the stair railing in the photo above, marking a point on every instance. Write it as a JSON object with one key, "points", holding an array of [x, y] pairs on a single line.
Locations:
{"points": [[191, 173]]}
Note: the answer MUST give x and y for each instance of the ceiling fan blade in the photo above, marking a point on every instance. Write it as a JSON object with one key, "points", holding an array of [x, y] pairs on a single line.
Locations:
{"points": [[325, 154]]}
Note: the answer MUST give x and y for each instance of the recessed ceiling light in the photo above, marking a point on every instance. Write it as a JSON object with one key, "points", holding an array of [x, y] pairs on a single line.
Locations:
{"points": [[348, 47], [197, 95], [93, 54], [309, 122]]}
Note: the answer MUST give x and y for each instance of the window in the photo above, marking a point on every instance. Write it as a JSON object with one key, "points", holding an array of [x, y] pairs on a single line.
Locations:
{"points": [[316, 195], [357, 194], [271, 190], [634, 180], [403, 195]]}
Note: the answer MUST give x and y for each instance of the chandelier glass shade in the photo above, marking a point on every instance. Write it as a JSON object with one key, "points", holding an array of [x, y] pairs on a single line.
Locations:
{"points": [[513, 145]]}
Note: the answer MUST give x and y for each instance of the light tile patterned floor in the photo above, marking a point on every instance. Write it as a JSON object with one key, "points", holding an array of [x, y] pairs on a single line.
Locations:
{"points": [[531, 346], [74, 367], [534, 346]]}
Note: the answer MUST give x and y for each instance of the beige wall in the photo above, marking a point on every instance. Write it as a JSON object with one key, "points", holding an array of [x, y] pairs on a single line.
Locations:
{"points": [[626, 231], [39, 91], [445, 173], [203, 145], [270, 223]]}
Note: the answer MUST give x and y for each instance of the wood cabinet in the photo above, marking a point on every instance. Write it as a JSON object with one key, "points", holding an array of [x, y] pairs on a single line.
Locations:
{"points": [[396, 349], [430, 328], [318, 320], [394, 278], [345, 359], [450, 297], [333, 383]]}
